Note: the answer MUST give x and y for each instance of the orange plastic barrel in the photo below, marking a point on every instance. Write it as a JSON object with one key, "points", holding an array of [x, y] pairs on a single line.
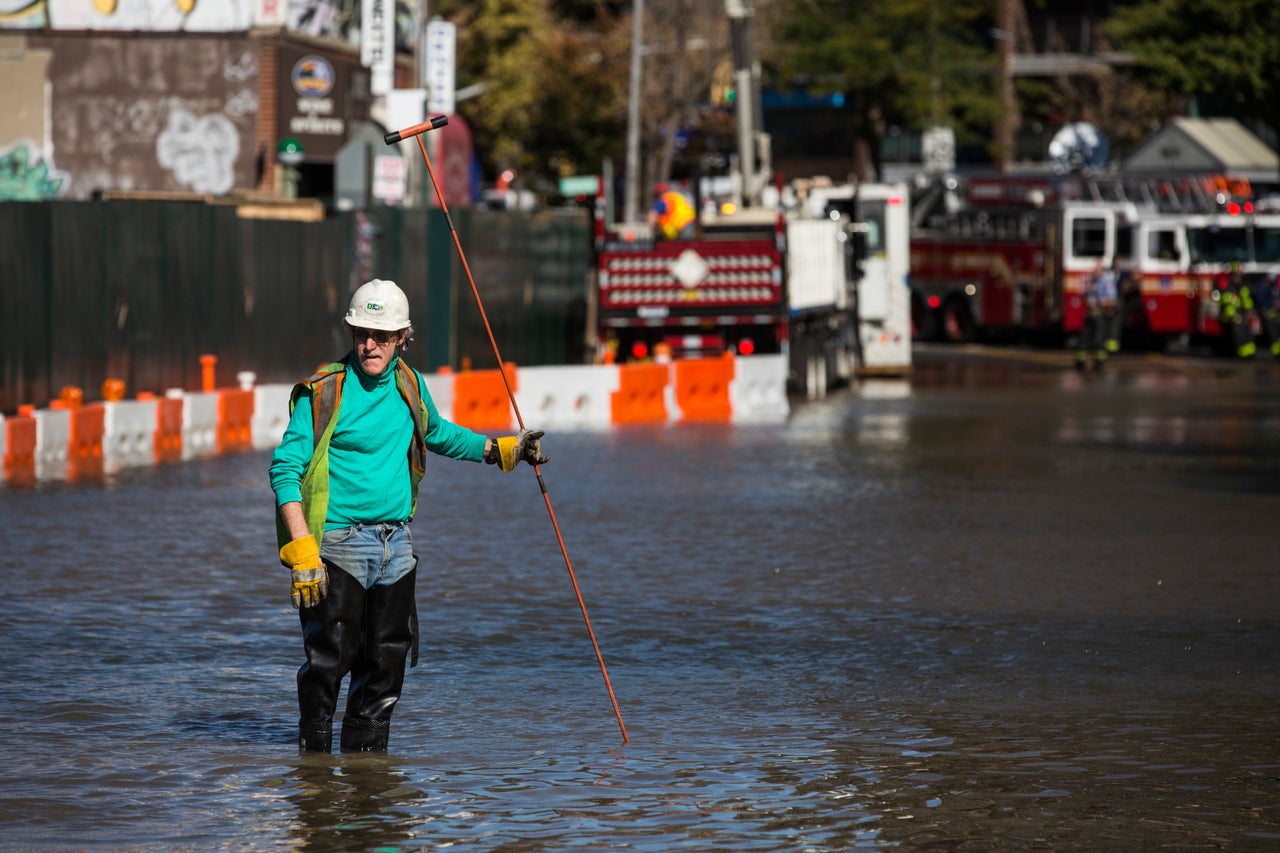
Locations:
{"points": [[702, 389], [641, 394]]}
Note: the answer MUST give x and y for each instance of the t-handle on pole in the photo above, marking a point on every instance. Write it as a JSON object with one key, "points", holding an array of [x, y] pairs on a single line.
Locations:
{"points": [[414, 130]]}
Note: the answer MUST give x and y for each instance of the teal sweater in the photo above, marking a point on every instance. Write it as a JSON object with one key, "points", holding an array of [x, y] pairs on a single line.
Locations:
{"points": [[369, 452]]}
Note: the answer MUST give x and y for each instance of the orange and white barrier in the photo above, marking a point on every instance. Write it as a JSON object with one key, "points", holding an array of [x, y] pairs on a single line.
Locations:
{"points": [[480, 399], [700, 391], [573, 397], [758, 390], [18, 449], [641, 397], [235, 415], [440, 387], [53, 442], [167, 441], [84, 441], [199, 422], [71, 439], [129, 434], [270, 415], [750, 389]]}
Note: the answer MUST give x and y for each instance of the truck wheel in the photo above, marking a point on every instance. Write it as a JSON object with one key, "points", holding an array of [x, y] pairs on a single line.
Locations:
{"points": [[846, 362], [925, 323], [1135, 330], [816, 373]]}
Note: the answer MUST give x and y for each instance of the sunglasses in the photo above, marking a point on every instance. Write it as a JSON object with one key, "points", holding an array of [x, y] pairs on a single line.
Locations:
{"points": [[379, 337]]}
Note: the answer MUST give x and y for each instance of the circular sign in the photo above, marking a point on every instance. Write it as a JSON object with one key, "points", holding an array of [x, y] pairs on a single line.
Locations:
{"points": [[289, 151], [312, 77]]}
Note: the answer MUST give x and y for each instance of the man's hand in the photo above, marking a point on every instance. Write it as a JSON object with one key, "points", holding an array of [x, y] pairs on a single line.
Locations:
{"points": [[525, 446], [310, 580]]}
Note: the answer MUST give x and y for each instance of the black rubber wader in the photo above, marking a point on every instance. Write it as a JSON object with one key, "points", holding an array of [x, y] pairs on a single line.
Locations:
{"points": [[369, 634]]}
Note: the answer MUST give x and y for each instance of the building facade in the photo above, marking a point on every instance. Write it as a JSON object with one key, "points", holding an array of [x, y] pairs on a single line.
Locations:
{"points": [[141, 96]]}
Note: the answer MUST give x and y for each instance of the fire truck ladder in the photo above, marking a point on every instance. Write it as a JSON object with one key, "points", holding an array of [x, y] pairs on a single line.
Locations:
{"points": [[1177, 194]]}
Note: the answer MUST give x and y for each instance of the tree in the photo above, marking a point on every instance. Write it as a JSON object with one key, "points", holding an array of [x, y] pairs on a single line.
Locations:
{"points": [[910, 63], [556, 78], [685, 52], [1224, 54], [553, 103]]}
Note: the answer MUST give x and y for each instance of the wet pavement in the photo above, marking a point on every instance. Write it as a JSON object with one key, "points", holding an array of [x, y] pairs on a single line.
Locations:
{"points": [[999, 606]]}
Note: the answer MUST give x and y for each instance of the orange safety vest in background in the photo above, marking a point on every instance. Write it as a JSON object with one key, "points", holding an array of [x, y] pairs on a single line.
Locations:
{"points": [[676, 216]]}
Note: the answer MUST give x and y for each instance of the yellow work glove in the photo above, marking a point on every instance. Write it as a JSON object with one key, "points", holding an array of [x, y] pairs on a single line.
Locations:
{"points": [[513, 448], [310, 580]]}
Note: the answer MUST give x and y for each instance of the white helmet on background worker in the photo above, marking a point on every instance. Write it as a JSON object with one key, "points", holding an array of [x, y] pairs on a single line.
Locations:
{"points": [[378, 304]]}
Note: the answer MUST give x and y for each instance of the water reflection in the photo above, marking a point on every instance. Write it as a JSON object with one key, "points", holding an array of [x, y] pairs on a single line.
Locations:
{"points": [[357, 802]]}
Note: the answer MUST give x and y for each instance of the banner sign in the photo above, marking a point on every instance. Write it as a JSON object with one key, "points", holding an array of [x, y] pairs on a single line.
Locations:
{"points": [[378, 43]]}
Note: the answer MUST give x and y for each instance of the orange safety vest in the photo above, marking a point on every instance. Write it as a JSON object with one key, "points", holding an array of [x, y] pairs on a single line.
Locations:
{"points": [[325, 386], [677, 215]]}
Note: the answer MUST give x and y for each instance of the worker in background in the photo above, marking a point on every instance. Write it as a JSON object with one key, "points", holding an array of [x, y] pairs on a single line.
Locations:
{"points": [[345, 477], [1101, 319], [672, 214], [1107, 290], [1235, 307], [1266, 302], [1128, 291]]}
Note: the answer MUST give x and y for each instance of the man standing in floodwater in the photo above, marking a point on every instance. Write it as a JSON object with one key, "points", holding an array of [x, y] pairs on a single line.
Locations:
{"points": [[345, 477]]}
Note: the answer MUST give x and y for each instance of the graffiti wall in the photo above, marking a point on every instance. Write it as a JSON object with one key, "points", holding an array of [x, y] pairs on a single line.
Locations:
{"points": [[24, 173], [163, 94], [340, 19], [336, 19], [25, 176], [143, 15], [169, 114]]}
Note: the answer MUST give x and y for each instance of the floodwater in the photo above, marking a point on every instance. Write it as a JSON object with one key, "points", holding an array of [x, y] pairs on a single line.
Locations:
{"points": [[998, 607]]}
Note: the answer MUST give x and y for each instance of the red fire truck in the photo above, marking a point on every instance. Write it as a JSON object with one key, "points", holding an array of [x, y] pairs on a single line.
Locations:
{"points": [[828, 289], [718, 293], [1008, 256]]}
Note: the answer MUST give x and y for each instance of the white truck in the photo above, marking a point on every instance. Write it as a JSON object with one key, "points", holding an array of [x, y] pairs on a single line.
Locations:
{"points": [[848, 284]]}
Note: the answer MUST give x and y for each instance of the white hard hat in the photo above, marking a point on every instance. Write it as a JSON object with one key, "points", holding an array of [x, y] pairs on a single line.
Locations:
{"points": [[379, 304]]}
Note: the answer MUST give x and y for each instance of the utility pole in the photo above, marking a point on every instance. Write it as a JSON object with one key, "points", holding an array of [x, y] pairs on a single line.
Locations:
{"points": [[632, 203], [420, 17], [744, 95], [1007, 120]]}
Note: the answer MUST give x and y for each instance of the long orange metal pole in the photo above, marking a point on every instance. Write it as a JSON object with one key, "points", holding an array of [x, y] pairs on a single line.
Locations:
{"points": [[417, 130]]}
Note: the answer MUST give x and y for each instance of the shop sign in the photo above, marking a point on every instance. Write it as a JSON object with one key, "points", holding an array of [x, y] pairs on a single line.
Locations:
{"points": [[315, 104]]}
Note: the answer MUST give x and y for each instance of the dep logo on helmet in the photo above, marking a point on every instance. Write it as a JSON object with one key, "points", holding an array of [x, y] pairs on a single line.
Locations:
{"points": [[375, 307], [312, 77]]}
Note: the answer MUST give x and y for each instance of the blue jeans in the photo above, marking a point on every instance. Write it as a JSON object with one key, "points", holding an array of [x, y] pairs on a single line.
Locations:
{"points": [[374, 554]]}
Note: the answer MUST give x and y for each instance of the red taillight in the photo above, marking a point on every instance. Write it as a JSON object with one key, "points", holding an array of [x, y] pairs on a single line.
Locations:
{"points": [[746, 347], [639, 349], [1233, 209], [935, 301]]}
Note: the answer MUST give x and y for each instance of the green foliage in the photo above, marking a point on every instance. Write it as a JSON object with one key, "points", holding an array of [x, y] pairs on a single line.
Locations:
{"points": [[1225, 53], [911, 63], [553, 103], [557, 73]]}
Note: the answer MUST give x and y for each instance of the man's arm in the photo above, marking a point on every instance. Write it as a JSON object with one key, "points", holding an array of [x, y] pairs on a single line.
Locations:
{"points": [[294, 521]]}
